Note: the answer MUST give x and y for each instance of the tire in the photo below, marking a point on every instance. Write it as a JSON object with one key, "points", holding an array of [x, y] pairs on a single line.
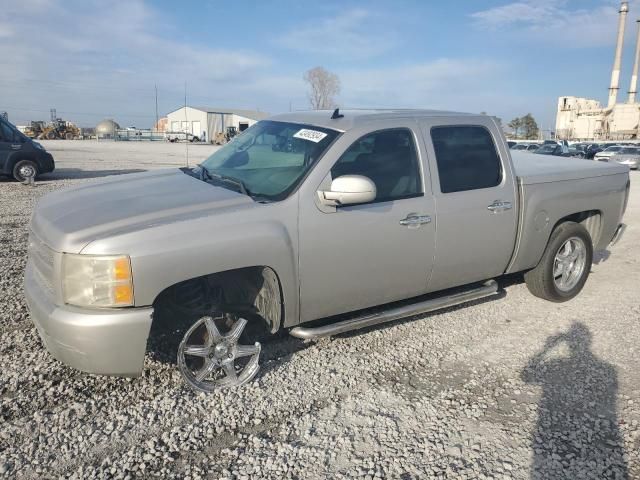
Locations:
{"points": [[541, 280], [51, 135], [68, 136], [22, 167]]}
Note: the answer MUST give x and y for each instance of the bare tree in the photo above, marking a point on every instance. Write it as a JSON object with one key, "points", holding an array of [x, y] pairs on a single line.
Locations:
{"points": [[324, 86]]}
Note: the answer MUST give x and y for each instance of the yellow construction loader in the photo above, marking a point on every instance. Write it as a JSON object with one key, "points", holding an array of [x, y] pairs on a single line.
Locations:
{"points": [[59, 129]]}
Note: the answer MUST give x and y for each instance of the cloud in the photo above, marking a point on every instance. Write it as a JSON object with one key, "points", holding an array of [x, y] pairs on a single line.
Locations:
{"points": [[553, 22], [529, 13], [103, 59], [354, 34]]}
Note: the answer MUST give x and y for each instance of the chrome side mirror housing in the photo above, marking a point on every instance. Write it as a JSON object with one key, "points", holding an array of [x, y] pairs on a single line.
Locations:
{"points": [[349, 190]]}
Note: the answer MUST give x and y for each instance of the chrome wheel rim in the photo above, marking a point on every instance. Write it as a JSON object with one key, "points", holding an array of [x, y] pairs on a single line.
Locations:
{"points": [[209, 360], [27, 171], [569, 264]]}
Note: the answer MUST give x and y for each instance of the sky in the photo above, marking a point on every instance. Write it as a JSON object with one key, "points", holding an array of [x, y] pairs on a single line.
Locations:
{"points": [[94, 60]]}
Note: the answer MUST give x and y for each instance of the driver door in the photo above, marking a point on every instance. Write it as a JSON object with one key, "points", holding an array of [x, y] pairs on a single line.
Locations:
{"points": [[6, 137], [358, 256]]}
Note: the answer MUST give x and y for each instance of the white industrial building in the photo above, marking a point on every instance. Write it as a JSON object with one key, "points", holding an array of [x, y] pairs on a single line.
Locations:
{"points": [[585, 119], [210, 120]]}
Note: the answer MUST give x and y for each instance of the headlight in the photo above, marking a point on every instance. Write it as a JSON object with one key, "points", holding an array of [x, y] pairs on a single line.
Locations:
{"points": [[97, 280]]}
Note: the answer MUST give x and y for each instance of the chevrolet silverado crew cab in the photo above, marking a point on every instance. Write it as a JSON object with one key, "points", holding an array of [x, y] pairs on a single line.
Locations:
{"points": [[313, 223]]}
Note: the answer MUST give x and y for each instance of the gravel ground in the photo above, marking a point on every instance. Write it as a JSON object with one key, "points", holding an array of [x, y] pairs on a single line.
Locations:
{"points": [[501, 389]]}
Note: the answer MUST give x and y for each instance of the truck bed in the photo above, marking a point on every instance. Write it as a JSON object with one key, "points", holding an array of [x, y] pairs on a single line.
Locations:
{"points": [[531, 168]]}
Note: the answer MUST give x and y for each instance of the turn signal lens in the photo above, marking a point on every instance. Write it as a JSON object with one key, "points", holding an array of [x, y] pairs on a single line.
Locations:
{"points": [[97, 281]]}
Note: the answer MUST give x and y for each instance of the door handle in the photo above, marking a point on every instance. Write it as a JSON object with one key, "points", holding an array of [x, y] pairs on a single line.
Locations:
{"points": [[414, 220], [499, 206]]}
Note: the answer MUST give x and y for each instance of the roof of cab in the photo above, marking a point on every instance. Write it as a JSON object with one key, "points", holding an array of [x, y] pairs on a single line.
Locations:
{"points": [[353, 118]]}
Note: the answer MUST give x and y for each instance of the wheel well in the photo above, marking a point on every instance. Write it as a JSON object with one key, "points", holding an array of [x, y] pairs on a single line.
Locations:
{"points": [[591, 220], [257, 289], [17, 158]]}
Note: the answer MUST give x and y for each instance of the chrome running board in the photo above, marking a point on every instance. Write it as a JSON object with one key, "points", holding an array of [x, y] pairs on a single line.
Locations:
{"points": [[487, 289]]}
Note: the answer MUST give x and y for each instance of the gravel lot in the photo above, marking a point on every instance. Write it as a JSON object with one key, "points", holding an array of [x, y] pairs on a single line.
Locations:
{"points": [[494, 390]]}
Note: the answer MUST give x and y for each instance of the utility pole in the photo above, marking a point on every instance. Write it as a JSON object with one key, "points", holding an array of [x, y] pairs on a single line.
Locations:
{"points": [[157, 119], [186, 121]]}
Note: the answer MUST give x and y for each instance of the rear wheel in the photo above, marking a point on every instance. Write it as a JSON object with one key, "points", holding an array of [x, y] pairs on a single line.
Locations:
{"points": [[51, 135], [565, 264], [25, 169], [68, 136]]}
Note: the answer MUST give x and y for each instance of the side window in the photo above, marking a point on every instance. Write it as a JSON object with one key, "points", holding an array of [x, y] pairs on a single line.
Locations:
{"points": [[467, 158], [389, 159]]}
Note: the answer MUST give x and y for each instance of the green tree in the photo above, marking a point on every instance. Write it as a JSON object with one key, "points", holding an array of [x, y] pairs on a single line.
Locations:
{"points": [[530, 127], [515, 125]]}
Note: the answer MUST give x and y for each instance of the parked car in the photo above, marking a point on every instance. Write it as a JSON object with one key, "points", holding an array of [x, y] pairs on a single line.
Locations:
{"points": [[574, 151], [607, 152], [181, 137], [532, 147], [20, 156], [629, 156], [592, 149], [550, 149], [511, 143], [254, 241]]}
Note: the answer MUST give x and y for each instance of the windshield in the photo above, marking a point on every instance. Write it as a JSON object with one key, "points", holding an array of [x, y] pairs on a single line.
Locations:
{"points": [[612, 149], [10, 133], [269, 159], [628, 150]]}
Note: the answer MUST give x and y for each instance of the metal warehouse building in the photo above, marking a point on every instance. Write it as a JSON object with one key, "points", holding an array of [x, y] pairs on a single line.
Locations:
{"points": [[195, 120]]}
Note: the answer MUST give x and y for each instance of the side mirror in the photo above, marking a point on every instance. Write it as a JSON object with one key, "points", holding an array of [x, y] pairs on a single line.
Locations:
{"points": [[349, 190]]}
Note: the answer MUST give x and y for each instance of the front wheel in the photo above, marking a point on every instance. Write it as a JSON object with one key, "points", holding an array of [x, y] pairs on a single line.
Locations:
{"points": [[565, 264], [25, 169], [211, 357]]}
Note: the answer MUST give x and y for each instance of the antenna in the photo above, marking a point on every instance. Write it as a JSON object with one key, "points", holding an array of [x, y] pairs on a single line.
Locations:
{"points": [[186, 120], [54, 114], [336, 114]]}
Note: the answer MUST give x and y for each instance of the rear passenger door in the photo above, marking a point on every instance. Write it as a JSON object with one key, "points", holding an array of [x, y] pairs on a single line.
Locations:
{"points": [[475, 195]]}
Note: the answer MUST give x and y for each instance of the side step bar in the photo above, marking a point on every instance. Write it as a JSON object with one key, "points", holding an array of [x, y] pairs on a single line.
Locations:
{"points": [[487, 289]]}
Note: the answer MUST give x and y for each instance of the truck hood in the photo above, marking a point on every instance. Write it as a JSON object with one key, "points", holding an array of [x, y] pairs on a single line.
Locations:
{"points": [[70, 219]]}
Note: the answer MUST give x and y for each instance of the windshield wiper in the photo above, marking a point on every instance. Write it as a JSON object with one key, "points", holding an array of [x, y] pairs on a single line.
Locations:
{"points": [[207, 175]]}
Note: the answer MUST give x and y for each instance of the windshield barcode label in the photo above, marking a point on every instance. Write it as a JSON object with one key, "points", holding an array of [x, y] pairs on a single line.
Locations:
{"points": [[311, 135]]}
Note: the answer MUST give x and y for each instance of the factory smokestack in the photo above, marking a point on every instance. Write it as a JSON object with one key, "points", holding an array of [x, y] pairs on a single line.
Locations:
{"points": [[615, 73], [634, 74]]}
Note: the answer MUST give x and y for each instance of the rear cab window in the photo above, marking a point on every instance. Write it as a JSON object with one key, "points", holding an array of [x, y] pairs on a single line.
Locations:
{"points": [[466, 158]]}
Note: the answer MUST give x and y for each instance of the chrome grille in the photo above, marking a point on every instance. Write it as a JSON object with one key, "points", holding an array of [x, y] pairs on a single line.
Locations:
{"points": [[41, 258]]}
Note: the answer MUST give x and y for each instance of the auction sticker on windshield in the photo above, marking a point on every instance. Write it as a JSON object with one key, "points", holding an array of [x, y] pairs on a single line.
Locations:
{"points": [[311, 135]]}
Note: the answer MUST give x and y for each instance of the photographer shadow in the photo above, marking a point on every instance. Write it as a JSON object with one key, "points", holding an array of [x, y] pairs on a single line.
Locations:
{"points": [[577, 433]]}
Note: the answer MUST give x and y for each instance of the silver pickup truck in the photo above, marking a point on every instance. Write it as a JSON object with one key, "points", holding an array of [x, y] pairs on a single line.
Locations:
{"points": [[312, 223]]}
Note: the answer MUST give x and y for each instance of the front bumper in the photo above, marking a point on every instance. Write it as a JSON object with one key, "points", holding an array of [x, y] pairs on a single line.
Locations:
{"points": [[47, 163], [107, 342]]}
